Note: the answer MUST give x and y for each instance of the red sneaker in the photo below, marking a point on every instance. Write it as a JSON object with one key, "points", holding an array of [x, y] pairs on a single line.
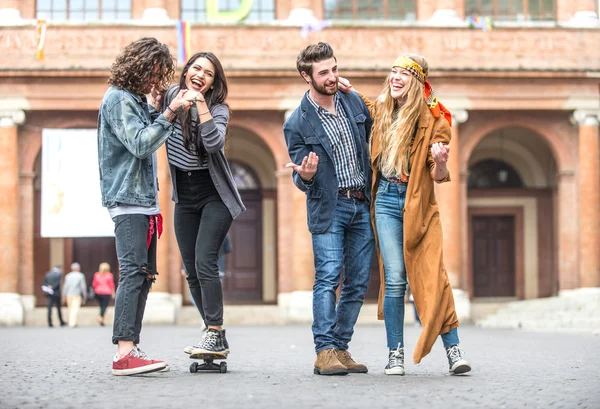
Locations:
{"points": [[136, 363], [143, 355]]}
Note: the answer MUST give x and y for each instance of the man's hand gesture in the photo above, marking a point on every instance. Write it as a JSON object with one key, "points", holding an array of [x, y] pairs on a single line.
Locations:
{"points": [[308, 168]]}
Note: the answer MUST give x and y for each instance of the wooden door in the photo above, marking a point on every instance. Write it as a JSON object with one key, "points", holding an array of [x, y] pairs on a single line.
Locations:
{"points": [[243, 266], [493, 256]]}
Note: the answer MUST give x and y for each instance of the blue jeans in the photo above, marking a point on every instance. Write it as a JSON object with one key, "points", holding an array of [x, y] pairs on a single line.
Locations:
{"points": [[389, 220], [347, 244], [136, 262]]}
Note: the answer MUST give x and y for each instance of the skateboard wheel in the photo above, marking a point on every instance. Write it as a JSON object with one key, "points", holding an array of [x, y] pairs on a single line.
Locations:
{"points": [[223, 367], [194, 367]]}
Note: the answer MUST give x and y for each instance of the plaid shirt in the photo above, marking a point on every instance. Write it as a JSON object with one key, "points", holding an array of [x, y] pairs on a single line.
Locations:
{"points": [[339, 132]]}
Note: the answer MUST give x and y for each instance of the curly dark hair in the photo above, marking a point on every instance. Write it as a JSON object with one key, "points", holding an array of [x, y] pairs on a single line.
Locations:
{"points": [[135, 69], [215, 95]]}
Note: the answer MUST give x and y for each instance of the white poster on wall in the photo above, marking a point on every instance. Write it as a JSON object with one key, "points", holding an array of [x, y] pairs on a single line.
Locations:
{"points": [[71, 201]]}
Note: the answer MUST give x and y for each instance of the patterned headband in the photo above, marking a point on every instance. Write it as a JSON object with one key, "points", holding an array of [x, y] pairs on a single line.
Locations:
{"points": [[407, 64]]}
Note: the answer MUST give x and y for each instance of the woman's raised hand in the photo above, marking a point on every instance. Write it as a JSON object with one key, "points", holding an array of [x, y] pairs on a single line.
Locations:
{"points": [[344, 85], [440, 153]]}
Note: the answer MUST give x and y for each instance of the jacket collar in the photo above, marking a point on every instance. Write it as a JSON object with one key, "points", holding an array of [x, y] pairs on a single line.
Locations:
{"points": [[309, 114]]}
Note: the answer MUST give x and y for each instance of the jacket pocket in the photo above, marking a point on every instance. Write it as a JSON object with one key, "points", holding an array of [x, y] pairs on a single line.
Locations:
{"points": [[360, 118], [316, 147], [313, 205]]}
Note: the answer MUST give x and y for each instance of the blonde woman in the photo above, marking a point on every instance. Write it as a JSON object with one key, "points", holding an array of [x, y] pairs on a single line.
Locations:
{"points": [[104, 288], [409, 151]]}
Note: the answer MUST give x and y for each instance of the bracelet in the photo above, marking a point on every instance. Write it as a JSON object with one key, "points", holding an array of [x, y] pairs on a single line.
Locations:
{"points": [[202, 113], [171, 109]]}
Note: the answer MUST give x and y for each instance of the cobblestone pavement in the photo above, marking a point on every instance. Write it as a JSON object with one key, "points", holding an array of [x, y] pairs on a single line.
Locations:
{"points": [[271, 367]]}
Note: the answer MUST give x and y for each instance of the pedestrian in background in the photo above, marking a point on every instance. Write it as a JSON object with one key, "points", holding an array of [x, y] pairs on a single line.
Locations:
{"points": [[104, 289], [74, 292], [51, 288]]}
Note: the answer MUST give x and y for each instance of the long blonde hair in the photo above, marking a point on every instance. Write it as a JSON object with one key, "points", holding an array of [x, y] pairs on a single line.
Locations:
{"points": [[395, 127], [104, 268]]}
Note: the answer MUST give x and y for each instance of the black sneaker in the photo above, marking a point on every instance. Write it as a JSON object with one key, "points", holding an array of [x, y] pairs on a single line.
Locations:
{"points": [[225, 343], [395, 364], [211, 345], [456, 362], [188, 350]]}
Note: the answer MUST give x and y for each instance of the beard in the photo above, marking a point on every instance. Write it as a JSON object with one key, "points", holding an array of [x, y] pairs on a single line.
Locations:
{"points": [[321, 89]]}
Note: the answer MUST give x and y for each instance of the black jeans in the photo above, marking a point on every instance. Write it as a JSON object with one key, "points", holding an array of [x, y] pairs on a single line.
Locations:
{"points": [[103, 299], [201, 224], [136, 262], [54, 300]]}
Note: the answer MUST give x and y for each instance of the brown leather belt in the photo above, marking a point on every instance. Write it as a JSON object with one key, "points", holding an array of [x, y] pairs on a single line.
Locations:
{"points": [[352, 194], [394, 180]]}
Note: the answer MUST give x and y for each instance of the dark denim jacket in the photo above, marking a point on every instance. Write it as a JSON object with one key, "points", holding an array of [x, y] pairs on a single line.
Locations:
{"points": [[304, 133], [129, 131]]}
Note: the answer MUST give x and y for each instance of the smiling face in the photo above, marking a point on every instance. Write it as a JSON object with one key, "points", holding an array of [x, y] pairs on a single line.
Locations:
{"points": [[399, 80], [324, 78], [200, 76]]}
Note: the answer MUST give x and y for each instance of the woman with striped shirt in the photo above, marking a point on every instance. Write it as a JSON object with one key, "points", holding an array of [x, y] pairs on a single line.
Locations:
{"points": [[205, 195]]}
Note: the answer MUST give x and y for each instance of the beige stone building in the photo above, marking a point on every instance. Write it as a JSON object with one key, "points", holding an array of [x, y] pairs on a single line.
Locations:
{"points": [[521, 217]]}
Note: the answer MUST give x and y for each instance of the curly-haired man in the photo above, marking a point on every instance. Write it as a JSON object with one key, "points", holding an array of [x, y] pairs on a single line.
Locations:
{"points": [[130, 131]]}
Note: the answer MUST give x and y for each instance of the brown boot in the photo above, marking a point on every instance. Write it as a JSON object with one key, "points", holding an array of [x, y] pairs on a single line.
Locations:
{"points": [[346, 359], [327, 363]]}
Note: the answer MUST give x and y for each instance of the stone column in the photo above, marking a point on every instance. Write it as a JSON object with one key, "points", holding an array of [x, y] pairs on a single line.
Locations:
{"points": [[10, 301], [451, 217], [301, 12], [568, 231], [26, 273], [448, 13], [10, 13], [296, 265], [585, 15], [155, 11], [160, 308], [589, 197]]}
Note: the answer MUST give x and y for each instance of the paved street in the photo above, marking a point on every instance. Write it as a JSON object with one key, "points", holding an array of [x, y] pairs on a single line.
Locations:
{"points": [[271, 367]]}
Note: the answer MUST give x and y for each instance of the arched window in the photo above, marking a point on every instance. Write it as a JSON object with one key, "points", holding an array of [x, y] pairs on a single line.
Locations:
{"points": [[85, 10], [244, 177], [493, 174], [371, 10]]}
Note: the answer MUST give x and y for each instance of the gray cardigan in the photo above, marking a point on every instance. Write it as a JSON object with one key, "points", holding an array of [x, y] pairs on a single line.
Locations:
{"points": [[212, 133]]}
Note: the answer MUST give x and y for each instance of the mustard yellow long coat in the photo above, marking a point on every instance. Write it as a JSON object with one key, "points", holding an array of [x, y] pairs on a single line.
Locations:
{"points": [[423, 238]]}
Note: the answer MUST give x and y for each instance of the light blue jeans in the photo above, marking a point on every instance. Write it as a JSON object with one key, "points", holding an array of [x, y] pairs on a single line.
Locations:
{"points": [[347, 244], [389, 220]]}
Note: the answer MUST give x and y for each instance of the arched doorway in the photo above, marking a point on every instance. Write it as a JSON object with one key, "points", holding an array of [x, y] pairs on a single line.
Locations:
{"points": [[244, 265], [494, 235], [512, 194]]}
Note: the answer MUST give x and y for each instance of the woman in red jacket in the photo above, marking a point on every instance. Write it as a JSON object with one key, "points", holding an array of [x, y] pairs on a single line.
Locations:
{"points": [[104, 288]]}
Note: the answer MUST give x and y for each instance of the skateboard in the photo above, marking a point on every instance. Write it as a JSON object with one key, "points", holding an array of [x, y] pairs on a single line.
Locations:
{"points": [[209, 364]]}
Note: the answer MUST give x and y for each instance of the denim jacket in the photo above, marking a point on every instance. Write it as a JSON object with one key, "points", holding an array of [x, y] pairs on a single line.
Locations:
{"points": [[129, 131], [304, 133]]}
